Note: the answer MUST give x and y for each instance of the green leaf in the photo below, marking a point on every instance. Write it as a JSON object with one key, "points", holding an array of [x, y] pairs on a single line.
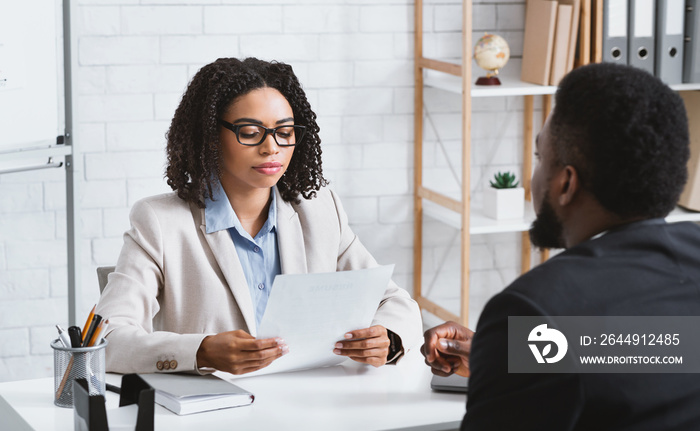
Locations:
{"points": [[504, 180]]}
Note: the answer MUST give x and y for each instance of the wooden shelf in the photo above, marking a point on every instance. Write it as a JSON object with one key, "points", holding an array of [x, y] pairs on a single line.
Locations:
{"points": [[685, 87], [511, 85], [481, 224], [682, 214]]}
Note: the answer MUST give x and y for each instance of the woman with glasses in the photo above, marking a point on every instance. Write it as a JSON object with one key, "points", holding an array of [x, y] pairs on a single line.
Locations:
{"points": [[249, 202]]}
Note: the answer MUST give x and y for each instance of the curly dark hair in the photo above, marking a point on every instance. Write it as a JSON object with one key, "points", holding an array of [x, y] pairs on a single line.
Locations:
{"points": [[626, 133], [193, 147]]}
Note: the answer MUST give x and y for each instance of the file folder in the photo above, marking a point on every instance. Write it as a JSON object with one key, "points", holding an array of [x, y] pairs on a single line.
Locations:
{"points": [[560, 52], [690, 198], [586, 38], [597, 31], [578, 7], [615, 31], [691, 49], [540, 22], [641, 37], [670, 15]]}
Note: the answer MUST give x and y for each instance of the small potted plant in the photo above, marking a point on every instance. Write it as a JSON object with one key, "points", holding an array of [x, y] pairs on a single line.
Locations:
{"points": [[504, 199]]}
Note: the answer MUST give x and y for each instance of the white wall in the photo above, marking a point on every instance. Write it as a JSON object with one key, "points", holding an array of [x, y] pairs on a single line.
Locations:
{"points": [[355, 60]]}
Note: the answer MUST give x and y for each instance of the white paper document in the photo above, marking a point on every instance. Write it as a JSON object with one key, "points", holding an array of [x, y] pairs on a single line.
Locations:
{"points": [[311, 312]]}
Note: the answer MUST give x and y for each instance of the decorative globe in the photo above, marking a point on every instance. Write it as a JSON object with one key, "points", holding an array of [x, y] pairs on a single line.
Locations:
{"points": [[491, 53]]}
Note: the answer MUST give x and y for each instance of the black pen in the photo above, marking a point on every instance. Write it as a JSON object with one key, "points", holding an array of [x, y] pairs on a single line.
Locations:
{"points": [[75, 336], [93, 326]]}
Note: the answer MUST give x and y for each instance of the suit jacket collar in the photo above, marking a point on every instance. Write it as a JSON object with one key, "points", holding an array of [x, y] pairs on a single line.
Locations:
{"points": [[290, 238], [631, 225], [292, 251], [224, 252]]}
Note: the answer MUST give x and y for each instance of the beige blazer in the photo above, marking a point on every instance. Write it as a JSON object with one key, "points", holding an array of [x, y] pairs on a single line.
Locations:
{"points": [[174, 284]]}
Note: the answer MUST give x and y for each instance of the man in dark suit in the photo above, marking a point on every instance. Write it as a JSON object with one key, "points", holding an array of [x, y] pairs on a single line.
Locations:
{"points": [[611, 165]]}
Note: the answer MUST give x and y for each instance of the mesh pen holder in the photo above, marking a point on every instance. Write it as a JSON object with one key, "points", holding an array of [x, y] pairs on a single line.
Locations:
{"points": [[75, 363]]}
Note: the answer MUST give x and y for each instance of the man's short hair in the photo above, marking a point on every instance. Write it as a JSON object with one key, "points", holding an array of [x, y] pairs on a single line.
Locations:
{"points": [[626, 134]]}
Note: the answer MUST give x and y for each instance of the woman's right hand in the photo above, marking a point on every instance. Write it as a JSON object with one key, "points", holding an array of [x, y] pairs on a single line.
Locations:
{"points": [[238, 352]]}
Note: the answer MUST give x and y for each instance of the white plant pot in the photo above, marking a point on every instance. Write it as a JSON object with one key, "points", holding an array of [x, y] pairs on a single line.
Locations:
{"points": [[503, 204]]}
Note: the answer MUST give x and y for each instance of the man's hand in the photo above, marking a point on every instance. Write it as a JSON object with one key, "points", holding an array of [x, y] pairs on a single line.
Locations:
{"points": [[446, 349], [238, 352], [369, 346]]}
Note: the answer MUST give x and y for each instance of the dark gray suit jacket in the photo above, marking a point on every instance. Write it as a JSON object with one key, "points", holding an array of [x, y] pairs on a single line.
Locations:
{"points": [[648, 268]]}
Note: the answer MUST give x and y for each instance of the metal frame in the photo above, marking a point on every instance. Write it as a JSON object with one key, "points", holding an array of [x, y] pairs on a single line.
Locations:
{"points": [[73, 164]]}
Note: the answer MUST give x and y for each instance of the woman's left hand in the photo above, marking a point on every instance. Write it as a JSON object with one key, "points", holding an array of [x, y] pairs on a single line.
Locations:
{"points": [[368, 346]]}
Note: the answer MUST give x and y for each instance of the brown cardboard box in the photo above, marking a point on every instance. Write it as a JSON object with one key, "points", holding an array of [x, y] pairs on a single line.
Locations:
{"points": [[690, 198]]}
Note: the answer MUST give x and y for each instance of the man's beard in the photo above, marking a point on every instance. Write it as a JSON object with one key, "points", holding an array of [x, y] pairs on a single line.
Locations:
{"points": [[546, 230]]}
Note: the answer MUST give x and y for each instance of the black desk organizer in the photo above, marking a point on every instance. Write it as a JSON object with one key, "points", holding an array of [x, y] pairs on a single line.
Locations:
{"points": [[89, 411]]}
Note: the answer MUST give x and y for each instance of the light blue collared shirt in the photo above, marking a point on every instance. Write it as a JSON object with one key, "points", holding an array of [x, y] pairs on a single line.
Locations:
{"points": [[259, 256]]}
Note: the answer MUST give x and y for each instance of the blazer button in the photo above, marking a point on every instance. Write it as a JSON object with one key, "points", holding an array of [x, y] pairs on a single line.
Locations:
{"points": [[166, 365], [159, 365], [173, 364]]}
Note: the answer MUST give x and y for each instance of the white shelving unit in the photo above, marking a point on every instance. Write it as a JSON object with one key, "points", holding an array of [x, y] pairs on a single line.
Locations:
{"points": [[454, 75], [511, 85], [480, 224], [450, 75]]}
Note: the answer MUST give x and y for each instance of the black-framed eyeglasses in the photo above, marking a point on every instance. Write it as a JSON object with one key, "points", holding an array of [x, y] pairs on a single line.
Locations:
{"points": [[255, 134]]}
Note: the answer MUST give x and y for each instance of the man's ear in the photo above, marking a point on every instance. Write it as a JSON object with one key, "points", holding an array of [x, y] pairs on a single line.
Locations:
{"points": [[567, 185]]}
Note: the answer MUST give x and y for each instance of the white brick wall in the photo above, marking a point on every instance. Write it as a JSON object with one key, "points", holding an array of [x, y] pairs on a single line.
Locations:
{"points": [[103, 50], [355, 60], [236, 20], [99, 20], [157, 20]]}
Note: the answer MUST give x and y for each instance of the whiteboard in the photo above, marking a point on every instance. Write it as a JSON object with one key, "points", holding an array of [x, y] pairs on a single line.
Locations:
{"points": [[29, 73]]}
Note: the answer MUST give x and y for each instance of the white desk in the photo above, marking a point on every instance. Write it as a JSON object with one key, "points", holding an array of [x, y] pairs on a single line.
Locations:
{"points": [[346, 397]]}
